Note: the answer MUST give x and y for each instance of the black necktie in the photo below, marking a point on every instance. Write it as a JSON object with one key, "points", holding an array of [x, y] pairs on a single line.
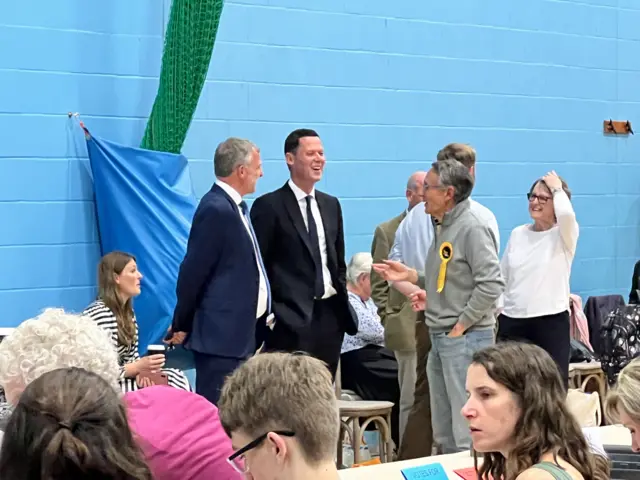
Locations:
{"points": [[315, 249]]}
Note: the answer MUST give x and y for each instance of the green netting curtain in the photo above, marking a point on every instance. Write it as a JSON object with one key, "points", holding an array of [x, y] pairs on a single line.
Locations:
{"points": [[191, 34]]}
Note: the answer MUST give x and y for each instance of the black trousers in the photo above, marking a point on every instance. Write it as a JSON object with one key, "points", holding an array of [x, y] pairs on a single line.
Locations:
{"points": [[372, 372], [321, 339], [211, 372], [550, 332]]}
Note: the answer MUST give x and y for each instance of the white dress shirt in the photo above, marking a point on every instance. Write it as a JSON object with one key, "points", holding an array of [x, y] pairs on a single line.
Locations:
{"points": [[262, 290], [415, 234], [301, 196]]}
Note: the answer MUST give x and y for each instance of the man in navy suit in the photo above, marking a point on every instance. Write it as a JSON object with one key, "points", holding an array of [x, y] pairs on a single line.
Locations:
{"points": [[301, 237], [223, 294]]}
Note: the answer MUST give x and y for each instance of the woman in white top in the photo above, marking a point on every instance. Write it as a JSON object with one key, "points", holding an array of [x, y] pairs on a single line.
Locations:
{"points": [[536, 266]]}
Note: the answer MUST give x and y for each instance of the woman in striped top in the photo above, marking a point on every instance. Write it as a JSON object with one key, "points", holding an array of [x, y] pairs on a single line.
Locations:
{"points": [[118, 282]]}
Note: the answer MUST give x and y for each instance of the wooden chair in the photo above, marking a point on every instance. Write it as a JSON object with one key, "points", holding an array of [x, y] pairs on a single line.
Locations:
{"points": [[351, 414], [583, 375], [589, 377]]}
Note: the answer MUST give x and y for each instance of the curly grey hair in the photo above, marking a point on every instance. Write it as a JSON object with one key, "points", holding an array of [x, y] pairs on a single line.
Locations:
{"points": [[52, 340]]}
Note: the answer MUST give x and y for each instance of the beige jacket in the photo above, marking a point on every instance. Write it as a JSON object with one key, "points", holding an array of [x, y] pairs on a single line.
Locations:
{"points": [[394, 308]]}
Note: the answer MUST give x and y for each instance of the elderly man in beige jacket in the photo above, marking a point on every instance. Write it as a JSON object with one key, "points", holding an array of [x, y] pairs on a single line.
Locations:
{"points": [[394, 308]]}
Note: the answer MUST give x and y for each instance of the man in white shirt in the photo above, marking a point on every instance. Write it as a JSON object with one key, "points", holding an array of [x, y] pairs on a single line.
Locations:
{"points": [[223, 294], [394, 309], [301, 236]]}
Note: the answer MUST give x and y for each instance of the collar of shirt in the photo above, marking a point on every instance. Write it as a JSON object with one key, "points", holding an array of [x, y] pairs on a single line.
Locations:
{"points": [[297, 191], [229, 190]]}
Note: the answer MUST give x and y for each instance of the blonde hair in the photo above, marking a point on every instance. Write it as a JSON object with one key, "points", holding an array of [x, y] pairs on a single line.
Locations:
{"points": [[625, 395], [283, 391], [56, 339]]}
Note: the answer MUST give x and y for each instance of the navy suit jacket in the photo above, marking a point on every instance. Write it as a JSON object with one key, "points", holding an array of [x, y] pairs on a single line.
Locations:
{"points": [[218, 282]]}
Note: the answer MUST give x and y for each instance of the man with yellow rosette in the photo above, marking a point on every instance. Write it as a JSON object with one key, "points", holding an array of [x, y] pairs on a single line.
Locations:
{"points": [[461, 283]]}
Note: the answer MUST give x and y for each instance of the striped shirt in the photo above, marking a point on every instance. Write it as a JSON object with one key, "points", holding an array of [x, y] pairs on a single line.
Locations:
{"points": [[105, 318]]}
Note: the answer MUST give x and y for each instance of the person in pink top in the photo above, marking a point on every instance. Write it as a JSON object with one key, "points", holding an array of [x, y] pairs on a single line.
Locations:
{"points": [[180, 434]]}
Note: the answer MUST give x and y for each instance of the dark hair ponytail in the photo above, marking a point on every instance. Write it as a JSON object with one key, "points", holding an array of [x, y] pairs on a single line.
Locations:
{"points": [[64, 452], [70, 424]]}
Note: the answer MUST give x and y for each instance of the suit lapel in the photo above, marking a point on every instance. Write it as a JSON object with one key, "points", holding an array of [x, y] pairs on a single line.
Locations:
{"points": [[293, 209]]}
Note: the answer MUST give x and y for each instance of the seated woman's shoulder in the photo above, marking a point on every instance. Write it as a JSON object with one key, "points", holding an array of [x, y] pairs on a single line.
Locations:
{"points": [[535, 473], [97, 310], [95, 305]]}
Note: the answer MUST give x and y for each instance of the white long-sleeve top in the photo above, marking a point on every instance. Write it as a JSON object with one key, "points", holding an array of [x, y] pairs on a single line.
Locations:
{"points": [[537, 265]]}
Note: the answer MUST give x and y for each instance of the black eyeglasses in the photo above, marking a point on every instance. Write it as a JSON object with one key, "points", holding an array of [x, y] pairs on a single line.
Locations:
{"points": [[541, 198], [237, 460]]}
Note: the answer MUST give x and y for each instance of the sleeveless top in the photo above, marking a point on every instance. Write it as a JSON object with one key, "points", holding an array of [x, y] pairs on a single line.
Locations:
{"points": [[557, 472]]}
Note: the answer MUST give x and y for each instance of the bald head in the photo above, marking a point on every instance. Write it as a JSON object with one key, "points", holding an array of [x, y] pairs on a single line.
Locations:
{"points": [[415, 188]]}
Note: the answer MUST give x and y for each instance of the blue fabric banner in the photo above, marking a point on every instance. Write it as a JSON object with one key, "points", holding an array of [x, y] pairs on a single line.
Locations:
{"points": [[144, 205]]}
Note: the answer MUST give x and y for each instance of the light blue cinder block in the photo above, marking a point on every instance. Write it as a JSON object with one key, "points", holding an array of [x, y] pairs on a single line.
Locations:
{"points": [[386, 84]]}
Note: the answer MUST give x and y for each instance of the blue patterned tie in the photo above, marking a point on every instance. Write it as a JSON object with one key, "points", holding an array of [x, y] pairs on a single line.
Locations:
{"points": [[245, 210]]}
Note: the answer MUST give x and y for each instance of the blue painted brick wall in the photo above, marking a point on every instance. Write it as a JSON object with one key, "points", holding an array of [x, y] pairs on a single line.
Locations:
{"points": [[385, 83]]}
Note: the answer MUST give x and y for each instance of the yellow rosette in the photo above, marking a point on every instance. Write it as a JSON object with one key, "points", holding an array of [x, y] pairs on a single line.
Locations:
{"points": [[446, 254]]}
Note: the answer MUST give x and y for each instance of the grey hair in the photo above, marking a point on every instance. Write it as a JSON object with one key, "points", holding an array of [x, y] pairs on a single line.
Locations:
{"points": [[52, 340], [230, 154], [454, 174], [359, 264]]}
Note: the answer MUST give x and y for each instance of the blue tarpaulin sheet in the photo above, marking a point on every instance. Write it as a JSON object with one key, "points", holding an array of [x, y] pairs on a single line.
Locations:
{"points": [[144, 205]]}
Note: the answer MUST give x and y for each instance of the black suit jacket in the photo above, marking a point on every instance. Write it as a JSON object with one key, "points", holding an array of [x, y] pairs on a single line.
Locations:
{"points": [[633, 295], [286, 251], [218, 283]]}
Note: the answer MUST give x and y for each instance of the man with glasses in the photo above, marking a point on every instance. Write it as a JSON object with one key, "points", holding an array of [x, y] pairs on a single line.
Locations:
{"points": [[412, 241], [281, 413], [460, 285]]}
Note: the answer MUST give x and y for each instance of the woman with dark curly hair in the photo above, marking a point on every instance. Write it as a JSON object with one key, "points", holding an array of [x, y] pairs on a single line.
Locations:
{"points": [[70, 424], [519, 419]]}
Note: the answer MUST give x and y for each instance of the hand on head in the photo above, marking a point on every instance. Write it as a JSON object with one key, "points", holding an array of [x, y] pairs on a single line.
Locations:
{"points": [[552, 180]]}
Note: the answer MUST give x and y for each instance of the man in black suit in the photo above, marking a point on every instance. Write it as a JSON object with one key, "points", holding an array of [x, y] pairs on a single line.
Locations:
{"points": [[301, 238], [223, 294]]}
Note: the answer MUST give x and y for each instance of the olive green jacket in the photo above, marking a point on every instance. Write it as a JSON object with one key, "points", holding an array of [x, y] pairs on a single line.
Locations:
{"points": [[394, 308]]}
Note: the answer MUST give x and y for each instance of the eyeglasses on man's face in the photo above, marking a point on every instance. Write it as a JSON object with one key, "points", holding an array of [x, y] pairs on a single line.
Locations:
{"points": [[238, 461]]}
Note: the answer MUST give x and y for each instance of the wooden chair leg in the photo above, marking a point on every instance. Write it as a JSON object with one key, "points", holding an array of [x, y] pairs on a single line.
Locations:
{"points": [[356, 440], [389, 440], [339, 453]]}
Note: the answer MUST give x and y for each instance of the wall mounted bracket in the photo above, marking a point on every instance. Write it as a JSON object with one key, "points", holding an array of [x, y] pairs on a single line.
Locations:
{"points": [[617, 127]]}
